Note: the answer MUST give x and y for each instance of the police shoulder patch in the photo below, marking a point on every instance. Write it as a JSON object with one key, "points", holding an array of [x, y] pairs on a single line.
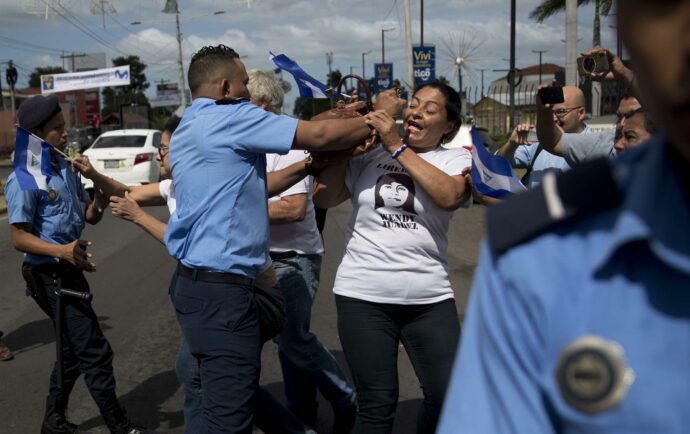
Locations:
{"points": [[592, 374], [586, 189]]}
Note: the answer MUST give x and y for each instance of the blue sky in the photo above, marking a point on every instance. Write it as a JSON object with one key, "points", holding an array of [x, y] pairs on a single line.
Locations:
{"points": [[304, 30]]}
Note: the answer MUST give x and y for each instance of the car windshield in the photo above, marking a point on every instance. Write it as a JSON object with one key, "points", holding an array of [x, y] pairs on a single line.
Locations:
{"points": [[120, 142]]}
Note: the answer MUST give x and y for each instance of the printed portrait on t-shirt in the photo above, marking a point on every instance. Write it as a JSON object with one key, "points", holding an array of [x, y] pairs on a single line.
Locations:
{"points": [[395, 190]]}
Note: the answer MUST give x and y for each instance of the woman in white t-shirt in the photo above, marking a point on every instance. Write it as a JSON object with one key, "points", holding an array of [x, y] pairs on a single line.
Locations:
{"points": [[392, 285]]}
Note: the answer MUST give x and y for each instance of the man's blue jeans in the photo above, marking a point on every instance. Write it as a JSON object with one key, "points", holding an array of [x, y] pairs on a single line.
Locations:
{"points": [[307, 365]]}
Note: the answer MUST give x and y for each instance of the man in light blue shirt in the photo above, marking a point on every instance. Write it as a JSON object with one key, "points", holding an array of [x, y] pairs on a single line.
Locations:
{"points": [[219, 231], [569, 116], [580, 311]]}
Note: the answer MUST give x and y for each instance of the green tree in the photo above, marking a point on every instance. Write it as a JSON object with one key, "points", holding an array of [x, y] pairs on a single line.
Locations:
{"points": [[115, 96], [35, 77], [551, 7]]}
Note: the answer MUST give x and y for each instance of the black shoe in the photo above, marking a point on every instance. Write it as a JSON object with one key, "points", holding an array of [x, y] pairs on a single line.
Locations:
{"points": [[344, 420], [118, 423], [56, 423]]}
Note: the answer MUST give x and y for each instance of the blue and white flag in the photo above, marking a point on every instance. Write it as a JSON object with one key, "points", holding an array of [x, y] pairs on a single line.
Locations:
{"points": [[309, 87], [492, 175], [31, 161]]}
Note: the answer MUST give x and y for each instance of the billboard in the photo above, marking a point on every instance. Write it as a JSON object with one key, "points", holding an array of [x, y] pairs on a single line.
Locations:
{"points": [[118, 76], [383, 72], [424, 64]]}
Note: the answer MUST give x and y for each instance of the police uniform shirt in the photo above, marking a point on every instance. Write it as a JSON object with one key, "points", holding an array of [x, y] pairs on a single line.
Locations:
{"points": [[217, 157], [585, 328], [57, 215]]}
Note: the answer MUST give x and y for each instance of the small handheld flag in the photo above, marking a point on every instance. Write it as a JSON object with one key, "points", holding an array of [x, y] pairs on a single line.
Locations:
{"points": [[492, 175], [31, 161], [309, 87]]}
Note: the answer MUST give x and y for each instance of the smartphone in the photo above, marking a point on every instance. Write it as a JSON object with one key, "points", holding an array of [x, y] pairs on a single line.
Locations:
{"points": [[551, 95], [532, 136]]}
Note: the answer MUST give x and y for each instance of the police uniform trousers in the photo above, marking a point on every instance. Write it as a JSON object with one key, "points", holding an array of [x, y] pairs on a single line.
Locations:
{"points": [[84, 347]]}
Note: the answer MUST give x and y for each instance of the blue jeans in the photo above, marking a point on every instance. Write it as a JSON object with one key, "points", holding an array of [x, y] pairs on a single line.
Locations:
{"points": [[307, 365]]}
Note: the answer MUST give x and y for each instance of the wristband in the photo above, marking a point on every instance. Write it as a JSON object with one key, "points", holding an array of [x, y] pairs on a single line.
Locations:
{"points": [[398, 151]]}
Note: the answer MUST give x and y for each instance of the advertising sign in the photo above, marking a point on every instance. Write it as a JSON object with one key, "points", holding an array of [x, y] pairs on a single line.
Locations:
{"points": [[384, 76], [118, 76], [424, 64]]}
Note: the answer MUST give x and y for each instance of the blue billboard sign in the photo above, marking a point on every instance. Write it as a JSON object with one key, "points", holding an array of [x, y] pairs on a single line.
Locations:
{"points": [[383, 72], [424, 64]]}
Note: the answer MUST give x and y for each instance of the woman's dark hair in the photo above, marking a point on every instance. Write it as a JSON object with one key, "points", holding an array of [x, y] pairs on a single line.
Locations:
{"points": [[400, 178], [453, 105]]}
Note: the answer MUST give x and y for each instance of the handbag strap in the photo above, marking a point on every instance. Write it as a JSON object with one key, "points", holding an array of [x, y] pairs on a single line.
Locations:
{"points": [[363, 83], [525, 177]]}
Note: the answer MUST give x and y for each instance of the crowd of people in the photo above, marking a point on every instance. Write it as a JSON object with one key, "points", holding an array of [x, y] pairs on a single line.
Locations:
{"points": [[579, 313]]}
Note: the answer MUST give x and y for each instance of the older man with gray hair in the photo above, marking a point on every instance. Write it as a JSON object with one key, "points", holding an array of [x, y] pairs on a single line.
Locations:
{"points": [[296, 251]]}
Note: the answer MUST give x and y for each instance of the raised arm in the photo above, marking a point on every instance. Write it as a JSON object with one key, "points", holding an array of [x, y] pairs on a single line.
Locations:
{"points": [[548, 132], [335, 135], [446, 191], [517, 137]]}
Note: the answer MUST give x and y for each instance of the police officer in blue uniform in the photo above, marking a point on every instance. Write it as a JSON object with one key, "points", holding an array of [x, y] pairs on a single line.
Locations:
{"points": [[46, 226], [579, 318], [219, 231]]}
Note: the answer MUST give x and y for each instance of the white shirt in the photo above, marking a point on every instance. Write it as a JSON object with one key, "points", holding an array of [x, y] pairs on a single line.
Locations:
{"points": [[302, 236], [395, 246], [167, 191]]}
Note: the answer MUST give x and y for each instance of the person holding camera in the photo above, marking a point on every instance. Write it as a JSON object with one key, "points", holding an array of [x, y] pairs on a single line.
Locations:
{"points": [[579, 315], [601, 64], [569, 116]]}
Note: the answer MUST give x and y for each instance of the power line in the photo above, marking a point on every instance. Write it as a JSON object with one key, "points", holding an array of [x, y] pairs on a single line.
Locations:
{"points": [[28, 44]]}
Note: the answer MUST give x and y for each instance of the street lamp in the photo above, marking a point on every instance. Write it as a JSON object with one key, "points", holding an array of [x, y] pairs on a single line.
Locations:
{"points": [[171, 8], [540, 52], [383, 43], [364, 75]]}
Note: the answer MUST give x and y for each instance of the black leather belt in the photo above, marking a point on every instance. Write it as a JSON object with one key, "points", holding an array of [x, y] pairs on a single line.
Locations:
{"points": [[212, 276], [277, 256]]}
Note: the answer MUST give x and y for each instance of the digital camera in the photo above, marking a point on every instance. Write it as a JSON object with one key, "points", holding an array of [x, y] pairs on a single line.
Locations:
{"points": [[594, 63]]}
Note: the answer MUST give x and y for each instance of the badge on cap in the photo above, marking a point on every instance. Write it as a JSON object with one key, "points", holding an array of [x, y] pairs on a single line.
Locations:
{"points": [[52, 194], [592, 374]]}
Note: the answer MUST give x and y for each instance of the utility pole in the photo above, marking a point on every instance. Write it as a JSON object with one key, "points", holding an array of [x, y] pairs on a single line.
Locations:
{"points": [[540, 52], [71, 57], [408, 45], [421, 23], [2, 98], [511, 74], [364, 75], [383, 44], [171, 8], [11, 76], [482, 72], [571, 42], [329, 61]]}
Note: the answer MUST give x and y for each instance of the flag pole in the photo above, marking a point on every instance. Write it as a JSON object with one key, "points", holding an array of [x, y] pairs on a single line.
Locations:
{"points": [[67, 157]]}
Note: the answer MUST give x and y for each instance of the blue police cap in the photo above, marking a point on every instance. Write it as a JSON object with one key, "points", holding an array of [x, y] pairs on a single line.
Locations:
{"points": [[34, 112]]}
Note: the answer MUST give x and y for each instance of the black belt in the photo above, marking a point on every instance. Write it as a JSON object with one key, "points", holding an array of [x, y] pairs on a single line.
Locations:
{"points": [[212, 276], [277, 256]]}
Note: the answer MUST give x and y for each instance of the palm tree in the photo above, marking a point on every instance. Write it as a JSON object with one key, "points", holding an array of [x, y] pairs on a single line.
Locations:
{"points": [[551, 7]]}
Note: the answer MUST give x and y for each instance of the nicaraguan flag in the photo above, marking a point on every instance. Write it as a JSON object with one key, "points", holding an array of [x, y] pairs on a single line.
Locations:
{"points": [[31, 161], [309, 87], [492, 175]]}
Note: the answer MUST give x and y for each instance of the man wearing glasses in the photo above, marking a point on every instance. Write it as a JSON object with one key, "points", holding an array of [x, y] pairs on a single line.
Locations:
{"points": [[577, 148], [568, 116]]}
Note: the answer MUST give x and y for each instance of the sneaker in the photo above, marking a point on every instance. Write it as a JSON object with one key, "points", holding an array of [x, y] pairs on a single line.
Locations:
{"points": [[5, 353]]}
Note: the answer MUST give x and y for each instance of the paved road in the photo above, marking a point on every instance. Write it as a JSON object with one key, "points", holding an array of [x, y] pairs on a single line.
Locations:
{"points": [[131, 300]]}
